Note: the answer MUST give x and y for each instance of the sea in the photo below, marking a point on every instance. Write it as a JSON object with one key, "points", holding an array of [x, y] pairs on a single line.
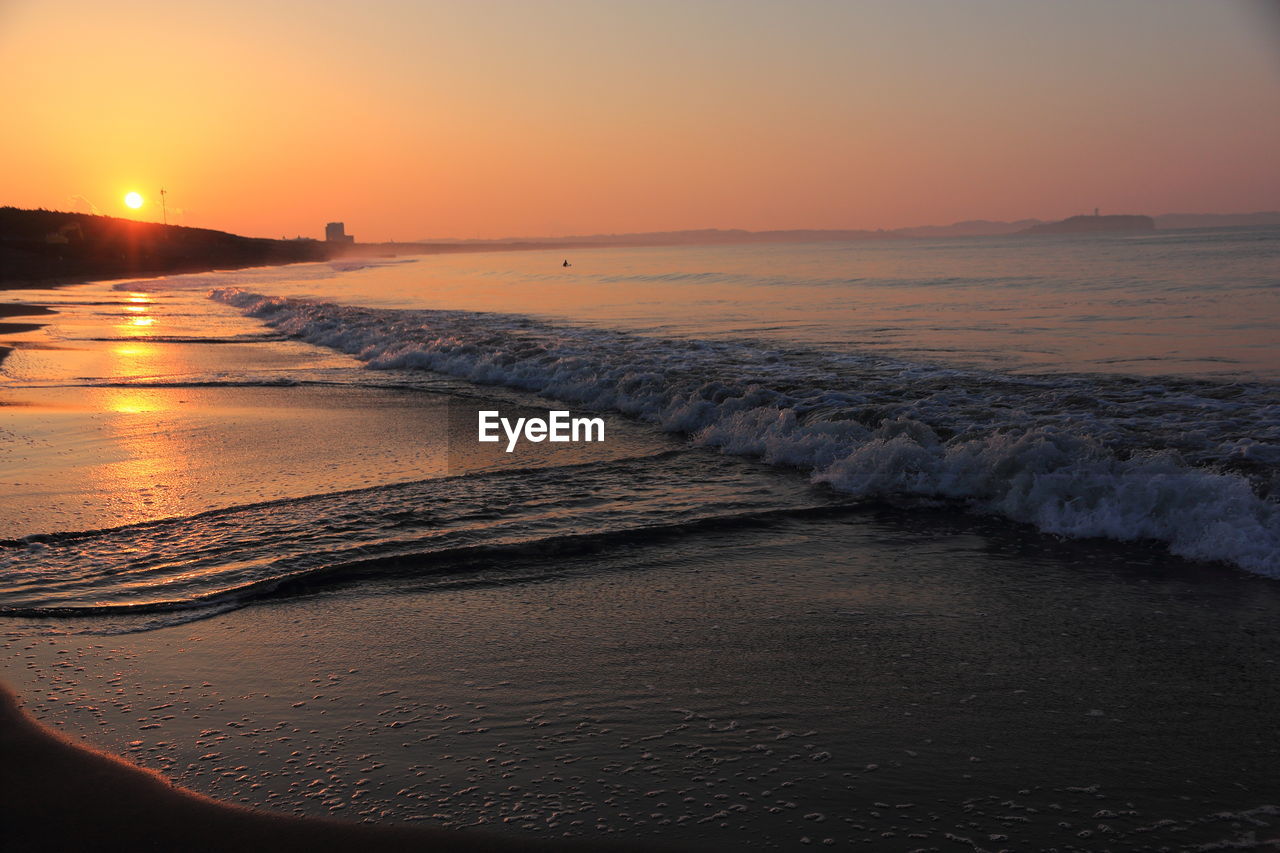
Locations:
{"points": [[892, 543]]}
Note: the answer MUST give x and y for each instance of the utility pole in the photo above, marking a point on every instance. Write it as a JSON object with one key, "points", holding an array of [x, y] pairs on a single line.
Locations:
{"points": [[164, 208]]}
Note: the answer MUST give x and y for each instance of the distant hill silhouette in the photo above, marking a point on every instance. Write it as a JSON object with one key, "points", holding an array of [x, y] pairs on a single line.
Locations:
{"points": [[1094, 225], [48, 246], [1217, 220], [719, 236], [695, 237], [968, 228]]}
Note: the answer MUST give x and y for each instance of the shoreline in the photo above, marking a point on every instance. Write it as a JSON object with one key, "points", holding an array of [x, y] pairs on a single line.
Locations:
{"points": [[359, 251], [52, 281], [56, 794], [19, 309]]}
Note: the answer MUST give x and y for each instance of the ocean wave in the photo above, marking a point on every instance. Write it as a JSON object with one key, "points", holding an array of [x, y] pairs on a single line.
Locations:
{"points": [[427, 530], [446, 566], [1192, 464], [281, 507]]}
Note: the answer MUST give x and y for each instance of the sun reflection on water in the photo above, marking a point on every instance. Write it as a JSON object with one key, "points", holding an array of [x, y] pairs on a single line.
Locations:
{"points": [[134, 401], [146, 476], [138, 358], [136, 316]]}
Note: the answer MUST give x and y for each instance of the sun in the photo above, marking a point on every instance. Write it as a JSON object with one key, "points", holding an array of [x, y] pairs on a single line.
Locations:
{"points": [[133, 200]]}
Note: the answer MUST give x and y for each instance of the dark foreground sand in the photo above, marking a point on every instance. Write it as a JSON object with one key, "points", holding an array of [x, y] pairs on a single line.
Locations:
{"points": [[58, 795]]}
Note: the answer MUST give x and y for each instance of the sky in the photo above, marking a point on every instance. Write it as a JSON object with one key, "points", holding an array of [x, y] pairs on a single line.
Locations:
{"points": [[413, 120]]}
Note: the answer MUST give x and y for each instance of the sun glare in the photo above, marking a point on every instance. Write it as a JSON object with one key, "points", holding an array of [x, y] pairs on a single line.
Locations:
{"points": [[133, 200]]}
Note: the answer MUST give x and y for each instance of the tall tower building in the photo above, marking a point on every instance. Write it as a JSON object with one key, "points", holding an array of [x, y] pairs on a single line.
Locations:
{"points": [[336, 232]]}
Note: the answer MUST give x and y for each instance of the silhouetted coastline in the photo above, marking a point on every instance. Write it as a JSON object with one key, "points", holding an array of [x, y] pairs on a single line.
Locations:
{"points": [[43, 247], [40, 248]]}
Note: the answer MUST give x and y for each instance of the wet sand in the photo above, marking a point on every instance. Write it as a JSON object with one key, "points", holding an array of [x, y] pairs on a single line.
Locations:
{"points": [[952, 679], [57, 795], [17, 309], [20, 309]]}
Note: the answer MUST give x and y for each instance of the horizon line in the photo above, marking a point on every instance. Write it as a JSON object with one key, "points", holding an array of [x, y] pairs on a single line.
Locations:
{"points": [[600, 235]]}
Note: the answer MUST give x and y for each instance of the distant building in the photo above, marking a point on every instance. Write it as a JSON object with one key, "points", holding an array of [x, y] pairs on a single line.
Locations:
{"points": [[336, 232]]}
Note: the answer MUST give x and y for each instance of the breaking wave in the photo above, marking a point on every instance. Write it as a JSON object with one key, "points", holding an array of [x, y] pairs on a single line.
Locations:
{"points": [[470, 528], [1192, 464]]}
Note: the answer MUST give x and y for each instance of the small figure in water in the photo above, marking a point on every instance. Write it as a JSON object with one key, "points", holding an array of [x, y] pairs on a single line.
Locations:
{"points": [[566, 263]]}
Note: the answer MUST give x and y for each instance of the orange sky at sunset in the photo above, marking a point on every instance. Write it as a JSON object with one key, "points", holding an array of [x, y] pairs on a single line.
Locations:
{"points": [[414, 120]]}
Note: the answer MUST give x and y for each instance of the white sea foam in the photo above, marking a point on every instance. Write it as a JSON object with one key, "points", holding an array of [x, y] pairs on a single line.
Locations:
{"points": [[1191, 464]]}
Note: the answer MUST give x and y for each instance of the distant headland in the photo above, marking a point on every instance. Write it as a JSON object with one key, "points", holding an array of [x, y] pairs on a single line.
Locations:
{"points": [[967, 228], [1094, 224]]}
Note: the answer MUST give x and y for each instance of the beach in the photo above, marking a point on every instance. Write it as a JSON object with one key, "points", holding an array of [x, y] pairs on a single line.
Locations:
{"points": [[878, 575], [727, 706]]}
